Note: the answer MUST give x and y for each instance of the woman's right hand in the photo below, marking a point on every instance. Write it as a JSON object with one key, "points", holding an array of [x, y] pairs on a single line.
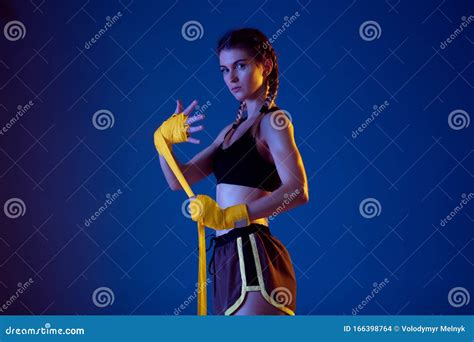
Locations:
{"points": [[177, 128]]}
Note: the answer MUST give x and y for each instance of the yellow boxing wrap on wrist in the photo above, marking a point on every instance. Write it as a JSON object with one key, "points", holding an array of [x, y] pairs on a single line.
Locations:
{"points": [[236, 213], [173, 131], [206, 211]]}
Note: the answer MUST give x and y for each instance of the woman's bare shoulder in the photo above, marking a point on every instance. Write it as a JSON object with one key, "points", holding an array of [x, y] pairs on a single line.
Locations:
{"points": [[220, 137], [275, 125]]}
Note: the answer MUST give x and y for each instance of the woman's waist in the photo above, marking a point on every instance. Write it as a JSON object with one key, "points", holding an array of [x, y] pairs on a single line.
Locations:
{"points": [[231, 194], [260, 221], [235, 233]]}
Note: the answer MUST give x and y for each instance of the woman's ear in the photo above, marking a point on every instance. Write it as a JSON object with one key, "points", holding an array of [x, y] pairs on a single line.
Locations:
{"points": [[267, 67]]}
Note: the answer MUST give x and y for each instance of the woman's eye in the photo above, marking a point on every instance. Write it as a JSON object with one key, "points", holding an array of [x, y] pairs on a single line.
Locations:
{"points": [[224, 71], [241, 66]]}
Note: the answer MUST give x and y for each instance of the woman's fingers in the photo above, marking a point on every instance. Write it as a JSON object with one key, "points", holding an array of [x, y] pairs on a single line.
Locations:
{"points": [[190, 107], [195, 129], [193, 140], [192, 119], [179, 106]]}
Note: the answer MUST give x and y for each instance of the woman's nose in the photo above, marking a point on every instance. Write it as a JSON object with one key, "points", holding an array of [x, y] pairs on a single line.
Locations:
{"points": [[233, 77]]}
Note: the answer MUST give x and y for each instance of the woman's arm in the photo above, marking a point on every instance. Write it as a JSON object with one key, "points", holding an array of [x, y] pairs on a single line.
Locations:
{"points": [[199, 167], [294, 188]]}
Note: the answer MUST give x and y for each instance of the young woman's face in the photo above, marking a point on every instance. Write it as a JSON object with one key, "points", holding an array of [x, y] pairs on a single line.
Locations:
{"points": [[242, 75]]}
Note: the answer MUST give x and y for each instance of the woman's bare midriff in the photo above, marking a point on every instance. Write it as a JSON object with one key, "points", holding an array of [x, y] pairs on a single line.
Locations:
{"points": [[230, 194]]}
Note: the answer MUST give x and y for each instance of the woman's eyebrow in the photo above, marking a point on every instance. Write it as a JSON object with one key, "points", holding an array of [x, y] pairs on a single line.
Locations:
{"points": [[237, 61]]}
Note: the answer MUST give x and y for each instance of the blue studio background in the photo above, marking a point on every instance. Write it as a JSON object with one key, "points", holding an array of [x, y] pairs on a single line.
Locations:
{"points": [[413, 160]]}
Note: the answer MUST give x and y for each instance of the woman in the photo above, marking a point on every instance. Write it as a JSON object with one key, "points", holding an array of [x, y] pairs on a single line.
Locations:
{"points": [[257, 165]]}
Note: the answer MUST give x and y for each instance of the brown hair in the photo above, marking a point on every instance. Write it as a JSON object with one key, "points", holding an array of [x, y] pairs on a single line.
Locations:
{"points": [[259, 47]]}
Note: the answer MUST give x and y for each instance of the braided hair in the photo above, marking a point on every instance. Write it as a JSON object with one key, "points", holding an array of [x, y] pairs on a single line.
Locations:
{"points": [[259, 47]]}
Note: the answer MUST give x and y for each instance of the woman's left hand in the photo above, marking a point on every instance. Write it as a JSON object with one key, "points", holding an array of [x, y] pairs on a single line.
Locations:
{"points": [[206, 211]]}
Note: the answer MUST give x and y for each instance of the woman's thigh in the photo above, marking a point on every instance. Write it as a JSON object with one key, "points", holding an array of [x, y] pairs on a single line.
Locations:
{"points": [[255, 304]]}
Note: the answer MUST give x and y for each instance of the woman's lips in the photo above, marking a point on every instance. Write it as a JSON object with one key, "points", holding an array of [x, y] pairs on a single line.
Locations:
{"points": [[236, 89]]}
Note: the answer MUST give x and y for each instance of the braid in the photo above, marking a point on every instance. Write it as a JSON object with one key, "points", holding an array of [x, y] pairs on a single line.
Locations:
{"points": [[271, 92], [240, 115], [273, 79]]}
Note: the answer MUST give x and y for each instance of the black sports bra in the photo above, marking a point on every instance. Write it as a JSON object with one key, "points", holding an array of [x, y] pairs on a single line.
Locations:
{"points": [[242, 164]]}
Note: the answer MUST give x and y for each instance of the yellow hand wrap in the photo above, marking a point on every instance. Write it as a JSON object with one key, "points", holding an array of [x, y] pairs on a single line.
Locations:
{"points": [[206, 211], [173, 131]]}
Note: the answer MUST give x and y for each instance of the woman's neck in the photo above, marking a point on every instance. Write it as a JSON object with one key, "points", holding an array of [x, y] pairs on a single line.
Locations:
{"points": [[254, 104]]}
